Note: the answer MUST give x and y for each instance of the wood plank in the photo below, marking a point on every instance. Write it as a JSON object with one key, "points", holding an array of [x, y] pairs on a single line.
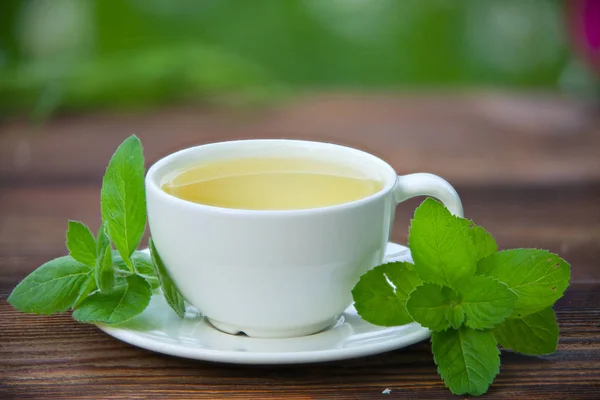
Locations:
{"points": [[53, 356], [473, 138]]}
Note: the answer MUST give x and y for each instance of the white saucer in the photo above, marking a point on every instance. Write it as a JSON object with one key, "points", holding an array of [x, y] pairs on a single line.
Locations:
{"points": [[159, 329]]}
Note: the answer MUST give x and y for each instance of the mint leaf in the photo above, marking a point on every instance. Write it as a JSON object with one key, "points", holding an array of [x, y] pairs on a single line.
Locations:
{"points": [[87, 287], [121, 269], [455, 317], [441, 245], [468, 360], [119, 305], [102, 242], [380, 295], [485, 244], [485, 301], [142, 263], [478, 301], [435, 307], [51, 288], [105, 276], [538, 277], [81, 243], [142, 266], [172, 295], [533, 334], [123, 198], [104, 271]]}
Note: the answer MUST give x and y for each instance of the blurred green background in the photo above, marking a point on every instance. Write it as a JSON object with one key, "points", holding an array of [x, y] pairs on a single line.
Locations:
{"points": [[87, 54]]}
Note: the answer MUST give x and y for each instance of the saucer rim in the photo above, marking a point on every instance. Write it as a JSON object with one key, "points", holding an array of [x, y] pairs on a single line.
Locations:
{"points": [[264, 358], [145, 341]]}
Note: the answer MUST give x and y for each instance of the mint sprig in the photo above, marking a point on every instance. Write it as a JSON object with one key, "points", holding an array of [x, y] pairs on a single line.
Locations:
{"points": [[472, 296], [97, 283]]}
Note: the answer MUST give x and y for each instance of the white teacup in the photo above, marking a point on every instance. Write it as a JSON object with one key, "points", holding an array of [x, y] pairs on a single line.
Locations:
{"points": [[278, 273]]}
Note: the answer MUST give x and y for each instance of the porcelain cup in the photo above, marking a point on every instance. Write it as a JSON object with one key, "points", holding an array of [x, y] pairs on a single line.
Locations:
{"points": [[278, 273]]}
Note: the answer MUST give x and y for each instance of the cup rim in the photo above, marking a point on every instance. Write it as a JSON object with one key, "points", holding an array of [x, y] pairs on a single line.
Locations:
{"points": [[152, 185]]}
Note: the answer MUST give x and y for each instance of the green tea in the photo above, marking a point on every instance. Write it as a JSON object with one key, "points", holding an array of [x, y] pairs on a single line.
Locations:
{"points": [[265, 183]]}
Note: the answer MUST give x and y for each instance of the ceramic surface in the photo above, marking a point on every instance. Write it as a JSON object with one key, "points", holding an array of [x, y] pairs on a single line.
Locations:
{"points": [[160, 329], [289, 273]]}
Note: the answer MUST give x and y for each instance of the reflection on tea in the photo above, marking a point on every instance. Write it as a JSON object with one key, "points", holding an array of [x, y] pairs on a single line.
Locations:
{"points": [[266, 183]]}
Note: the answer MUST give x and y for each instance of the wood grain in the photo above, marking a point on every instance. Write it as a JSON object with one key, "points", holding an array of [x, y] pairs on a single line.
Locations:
{"points": [[479, 139], [527, 168], [53, 356]]}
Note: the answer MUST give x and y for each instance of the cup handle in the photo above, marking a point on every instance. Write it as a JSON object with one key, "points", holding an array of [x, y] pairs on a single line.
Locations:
{"points": [[422, 184]]}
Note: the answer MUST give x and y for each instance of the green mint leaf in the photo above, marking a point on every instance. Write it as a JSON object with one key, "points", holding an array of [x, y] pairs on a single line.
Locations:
{"points": [[81, 243], [478, 301], [51, 288], [435, 307], [119, 305], [455, 317], [467, 359], [142, 265], [85, 290], [105, 274], [121, 272], [538, 277], [123, 198], [380, 295], [485, 244], [533, 334], [121, 269], [102, 242], [441, 245], [485, 301], [172, 295]]}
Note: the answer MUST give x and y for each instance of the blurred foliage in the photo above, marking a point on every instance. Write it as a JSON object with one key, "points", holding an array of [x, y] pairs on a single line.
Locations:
{"points": [[79, 54], [152, 76]]}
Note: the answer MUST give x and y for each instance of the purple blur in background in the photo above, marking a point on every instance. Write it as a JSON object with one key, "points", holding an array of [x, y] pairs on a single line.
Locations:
{"points": [[585, 29]]}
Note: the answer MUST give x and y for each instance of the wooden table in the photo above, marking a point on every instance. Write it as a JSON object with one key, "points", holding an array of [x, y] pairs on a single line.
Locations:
{"points": [[527, 168]]}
